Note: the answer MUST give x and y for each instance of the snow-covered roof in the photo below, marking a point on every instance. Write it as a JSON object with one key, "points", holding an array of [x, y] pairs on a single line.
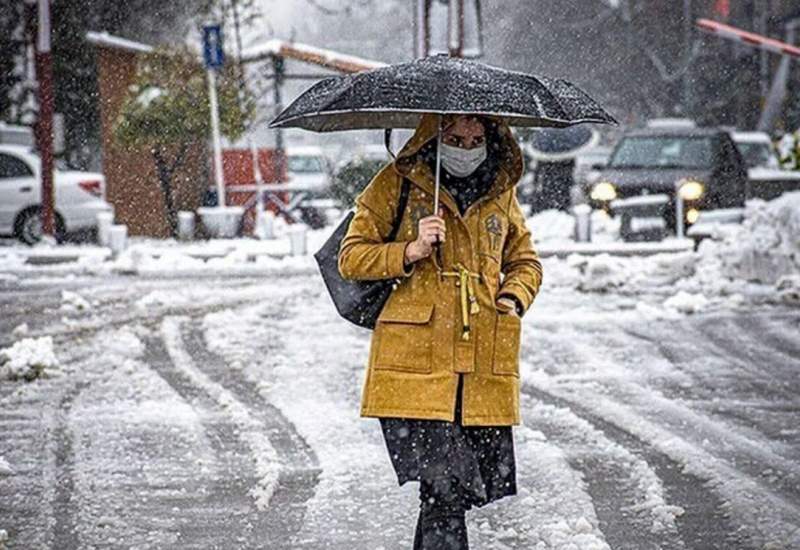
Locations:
{"points": [[309, 54], [751, 137], [117, 42]]}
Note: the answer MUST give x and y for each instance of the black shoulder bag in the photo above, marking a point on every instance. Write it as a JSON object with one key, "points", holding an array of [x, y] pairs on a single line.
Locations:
{"points": [[359, 302]]}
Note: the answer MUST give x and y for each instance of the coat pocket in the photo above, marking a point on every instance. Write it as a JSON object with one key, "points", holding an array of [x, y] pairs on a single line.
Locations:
{"points": [[404, 336], [506, 345]]}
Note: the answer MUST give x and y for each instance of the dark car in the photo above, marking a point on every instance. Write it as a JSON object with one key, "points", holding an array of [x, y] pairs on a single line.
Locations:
{"points": [[649, 167]]}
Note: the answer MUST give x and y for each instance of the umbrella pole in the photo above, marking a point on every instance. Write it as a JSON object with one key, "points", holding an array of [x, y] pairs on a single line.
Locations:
{"points": [[438, 167], [436, 190]]}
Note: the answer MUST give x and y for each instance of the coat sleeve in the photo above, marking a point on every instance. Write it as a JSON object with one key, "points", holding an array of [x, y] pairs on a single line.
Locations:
{"points": [[363, 254], [521, 265]]}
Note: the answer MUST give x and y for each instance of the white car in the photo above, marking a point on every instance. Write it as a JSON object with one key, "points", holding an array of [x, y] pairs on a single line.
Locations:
{"points": [[78, 196], [308, 169]]}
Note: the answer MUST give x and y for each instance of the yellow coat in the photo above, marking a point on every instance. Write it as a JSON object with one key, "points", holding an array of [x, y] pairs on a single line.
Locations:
{"points": [[438, 323]]}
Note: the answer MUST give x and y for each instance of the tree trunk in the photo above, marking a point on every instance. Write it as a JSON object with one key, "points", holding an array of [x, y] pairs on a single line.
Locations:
{"points": [[165, 175]]}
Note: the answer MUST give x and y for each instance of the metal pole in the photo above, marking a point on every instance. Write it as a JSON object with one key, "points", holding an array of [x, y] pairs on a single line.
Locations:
{"points": [[679, 215], [218, 175], [687, 80], [44, 127], [277, 66], [424, 38], [455, 27]]}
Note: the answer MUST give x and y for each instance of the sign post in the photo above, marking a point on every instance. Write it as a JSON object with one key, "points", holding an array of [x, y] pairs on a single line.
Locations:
{"points": [[44, 124], [214, 58]]}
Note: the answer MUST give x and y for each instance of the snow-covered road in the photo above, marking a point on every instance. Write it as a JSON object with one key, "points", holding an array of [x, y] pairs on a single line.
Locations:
{"points": [[223, 413]]}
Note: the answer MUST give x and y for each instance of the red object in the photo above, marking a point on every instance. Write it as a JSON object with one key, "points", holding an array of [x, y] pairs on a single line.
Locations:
{"points": [[44, 123], [762, 42], [237, 166], [93, 187], [722, 8]]}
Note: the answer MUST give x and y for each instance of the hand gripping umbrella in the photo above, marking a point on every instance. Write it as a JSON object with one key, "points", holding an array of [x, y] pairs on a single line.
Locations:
{"points": [[396, 96]]}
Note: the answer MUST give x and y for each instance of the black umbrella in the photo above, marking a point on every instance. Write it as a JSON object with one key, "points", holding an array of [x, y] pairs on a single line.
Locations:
{"points": [[396, 96], [560, 144]]}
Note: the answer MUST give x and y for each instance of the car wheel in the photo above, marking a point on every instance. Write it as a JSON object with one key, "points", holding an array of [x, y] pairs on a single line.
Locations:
{"points": [[28, 227]]}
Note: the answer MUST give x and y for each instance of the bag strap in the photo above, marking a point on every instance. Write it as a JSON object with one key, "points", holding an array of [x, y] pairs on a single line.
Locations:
{"points": [[401, 208]]}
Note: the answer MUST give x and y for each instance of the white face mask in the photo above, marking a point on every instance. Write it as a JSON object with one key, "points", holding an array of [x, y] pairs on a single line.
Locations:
{"points": [[462, 162]]}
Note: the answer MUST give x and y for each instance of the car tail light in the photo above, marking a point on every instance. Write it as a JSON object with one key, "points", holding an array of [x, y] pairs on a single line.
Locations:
{"points": [[93, 187]]}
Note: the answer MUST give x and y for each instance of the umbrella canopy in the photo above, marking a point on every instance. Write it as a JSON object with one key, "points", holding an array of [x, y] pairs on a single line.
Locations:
{"points": [[560, 144], [396, 96]]}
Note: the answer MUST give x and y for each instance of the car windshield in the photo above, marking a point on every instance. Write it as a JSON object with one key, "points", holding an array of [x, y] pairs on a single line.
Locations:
{"points": [[756, 154], [305, 164], [663, 152]]}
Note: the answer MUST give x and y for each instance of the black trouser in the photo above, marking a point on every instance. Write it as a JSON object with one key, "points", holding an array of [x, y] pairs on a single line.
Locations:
{"points": [[441, 524]]}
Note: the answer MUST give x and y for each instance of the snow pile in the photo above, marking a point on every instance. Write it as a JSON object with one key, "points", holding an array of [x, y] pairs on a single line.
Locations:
{"points": [[788, 288], [765, 248], [5, 467], [74, 302], [685, 302], [551, 225], [761, 257], [28, 359], [627, 275]]}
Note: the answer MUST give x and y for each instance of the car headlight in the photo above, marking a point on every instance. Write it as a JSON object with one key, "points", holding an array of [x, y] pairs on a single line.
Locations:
{"points": [[603, 191], [691, 190]]}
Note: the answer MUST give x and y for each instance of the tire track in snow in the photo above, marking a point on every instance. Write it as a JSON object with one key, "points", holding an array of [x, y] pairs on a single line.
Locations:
{"points": [[221, 510], [627, 495], [300, 472], [704, 525], [706, 448], [750, 448], [65, 528]]}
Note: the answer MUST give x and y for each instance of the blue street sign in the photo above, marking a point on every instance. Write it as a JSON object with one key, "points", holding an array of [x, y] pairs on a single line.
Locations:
{"points": [[212, 46]]}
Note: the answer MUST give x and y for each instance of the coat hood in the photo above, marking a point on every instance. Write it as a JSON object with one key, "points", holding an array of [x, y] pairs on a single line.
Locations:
{"points": [[510, 166]]}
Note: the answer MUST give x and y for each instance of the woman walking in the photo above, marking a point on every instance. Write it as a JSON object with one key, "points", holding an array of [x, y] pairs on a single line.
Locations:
{"points": [[443, 371]]}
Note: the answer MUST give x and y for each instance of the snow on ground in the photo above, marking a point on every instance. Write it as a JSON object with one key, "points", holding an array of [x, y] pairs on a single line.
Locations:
{"points": [[130, 427], [315, 379], [611, 378], [28, 359], [252, 430], [114, 421], [5, 467], [556, 226], [757, 261]]}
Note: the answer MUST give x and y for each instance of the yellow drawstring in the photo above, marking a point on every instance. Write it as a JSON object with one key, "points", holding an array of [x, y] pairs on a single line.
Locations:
{"points": [[469, 302]]}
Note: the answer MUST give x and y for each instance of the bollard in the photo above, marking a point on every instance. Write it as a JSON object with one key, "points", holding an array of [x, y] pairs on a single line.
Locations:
{"points": [[185, 226], [583, 223], [297, 239], [268, 224], [679, 223], [118, 237], [104, 222]]}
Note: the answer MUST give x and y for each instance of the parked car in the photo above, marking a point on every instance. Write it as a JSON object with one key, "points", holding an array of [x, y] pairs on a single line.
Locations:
{"points": [[756, 149], [309, 168], [79, 196], [649, 166]]}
